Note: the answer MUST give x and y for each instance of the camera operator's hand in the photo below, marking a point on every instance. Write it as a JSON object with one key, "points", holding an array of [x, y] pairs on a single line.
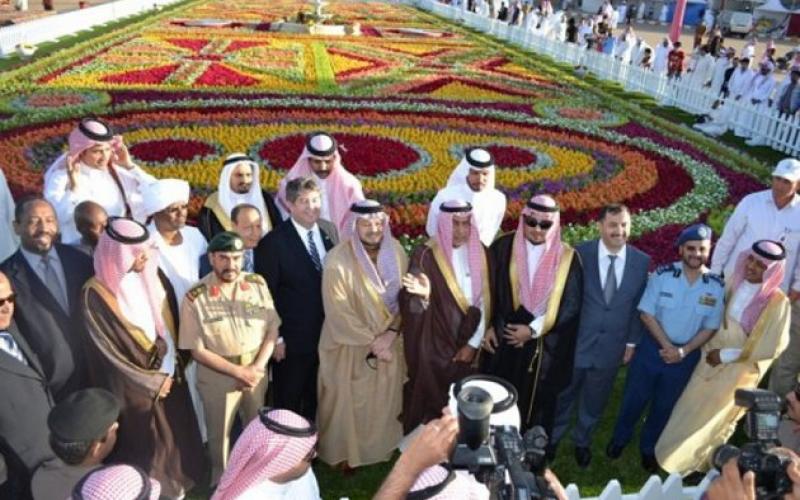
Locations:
{"points": [[732, 486], [555, 485], [517, 335], [793, 471], [432, 446], [793, 407], [712, 358]]}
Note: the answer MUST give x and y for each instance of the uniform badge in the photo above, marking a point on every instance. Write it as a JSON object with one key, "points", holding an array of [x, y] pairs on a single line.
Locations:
{"points": [[244, 286], [214, 291], [708, 300]]}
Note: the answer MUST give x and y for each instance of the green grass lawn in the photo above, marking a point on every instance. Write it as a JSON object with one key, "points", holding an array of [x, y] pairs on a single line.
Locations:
{"points": [[591, 481]]}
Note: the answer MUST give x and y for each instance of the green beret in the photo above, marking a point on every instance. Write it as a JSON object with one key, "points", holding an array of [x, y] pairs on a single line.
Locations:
{"points": [[84, 415], [227, 241]]}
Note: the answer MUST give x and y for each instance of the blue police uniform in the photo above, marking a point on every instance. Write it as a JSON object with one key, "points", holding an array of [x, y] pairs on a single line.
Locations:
{"points": [[682, 310]]}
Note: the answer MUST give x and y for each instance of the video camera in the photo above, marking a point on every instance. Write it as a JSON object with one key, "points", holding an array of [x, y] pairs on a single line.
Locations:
{"points": [[489, 443], [761, 427]]}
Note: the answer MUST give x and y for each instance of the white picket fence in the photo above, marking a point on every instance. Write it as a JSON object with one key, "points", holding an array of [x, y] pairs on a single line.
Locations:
{"points": [[779, 132], [654, 489], [50, 28]]}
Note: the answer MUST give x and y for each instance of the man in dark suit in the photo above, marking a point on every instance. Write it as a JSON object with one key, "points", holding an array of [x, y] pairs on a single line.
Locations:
{"points": [[48, 277], [290, 259], [26, 403], [614, 278]]}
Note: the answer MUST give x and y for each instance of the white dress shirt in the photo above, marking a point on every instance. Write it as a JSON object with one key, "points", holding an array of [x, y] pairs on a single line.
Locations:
{"points": [[757, 218], [603, 261], [741, 298], [34, 260], [462, 275], [303, 232]]}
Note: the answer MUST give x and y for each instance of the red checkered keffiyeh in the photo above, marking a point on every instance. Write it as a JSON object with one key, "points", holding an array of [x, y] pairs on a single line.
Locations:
{"points": [[116, 482], [535, 293], [261, 454], [461, 487]]}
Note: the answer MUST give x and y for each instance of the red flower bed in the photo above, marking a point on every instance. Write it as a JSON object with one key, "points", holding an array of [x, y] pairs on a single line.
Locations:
{"points": [[511, 156], [171, 149], [221, 76], [364, 155]]}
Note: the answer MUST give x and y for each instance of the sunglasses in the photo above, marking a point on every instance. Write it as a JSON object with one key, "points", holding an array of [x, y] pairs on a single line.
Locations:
{"points": [[544, 224], [8, 300]]}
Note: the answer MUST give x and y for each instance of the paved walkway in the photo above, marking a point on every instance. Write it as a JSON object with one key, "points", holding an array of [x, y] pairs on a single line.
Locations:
{"points": [[8, 14]]}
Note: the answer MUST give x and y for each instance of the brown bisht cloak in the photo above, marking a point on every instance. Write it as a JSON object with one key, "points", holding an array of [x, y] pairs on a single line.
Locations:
{"points": [[543, 367], [433, 333], [159, 435]]}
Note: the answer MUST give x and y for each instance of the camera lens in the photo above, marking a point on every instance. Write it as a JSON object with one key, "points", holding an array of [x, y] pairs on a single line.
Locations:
{"points": [[474, 410]]}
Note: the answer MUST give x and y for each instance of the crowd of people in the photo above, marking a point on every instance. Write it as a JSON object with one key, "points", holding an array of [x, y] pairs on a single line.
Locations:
{"points": [[744, 77], [296, 326]]}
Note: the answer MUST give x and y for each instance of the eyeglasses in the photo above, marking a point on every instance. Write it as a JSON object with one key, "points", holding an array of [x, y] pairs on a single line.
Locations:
{"points": [[8, 300], [532, 222]]}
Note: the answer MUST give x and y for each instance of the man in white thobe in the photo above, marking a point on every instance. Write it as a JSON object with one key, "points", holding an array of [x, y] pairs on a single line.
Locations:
{"points": [[750, 120], [661, 56], [721, 65], [473, 182], [180, 247], [703, 69], [97, 167], [770, 214]]}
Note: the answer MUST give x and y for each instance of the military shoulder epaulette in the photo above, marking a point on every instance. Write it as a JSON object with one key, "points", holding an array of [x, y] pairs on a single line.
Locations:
{"points": [[195, 292], [668, 268], [714, 277], [254, 278]]}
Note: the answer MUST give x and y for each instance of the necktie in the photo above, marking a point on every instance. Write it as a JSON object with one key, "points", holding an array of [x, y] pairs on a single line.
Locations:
{"points": [[9, 345], [248, 261], [611, 281], [52, 282], [312, 251]]}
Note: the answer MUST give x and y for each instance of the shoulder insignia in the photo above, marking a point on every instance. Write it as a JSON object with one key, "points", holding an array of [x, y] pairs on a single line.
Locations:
{"points": [[716, 278], [254, 278], [195, 292], [668, 268]]}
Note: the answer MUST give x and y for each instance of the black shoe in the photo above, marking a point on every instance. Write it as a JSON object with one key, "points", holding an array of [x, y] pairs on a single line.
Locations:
{"points": [[550, 452], [649, 463], [583, 456], [613, 450]]}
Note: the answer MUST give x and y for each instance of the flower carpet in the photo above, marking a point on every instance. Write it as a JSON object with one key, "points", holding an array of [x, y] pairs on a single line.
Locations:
{"points": [[404, 99]]}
